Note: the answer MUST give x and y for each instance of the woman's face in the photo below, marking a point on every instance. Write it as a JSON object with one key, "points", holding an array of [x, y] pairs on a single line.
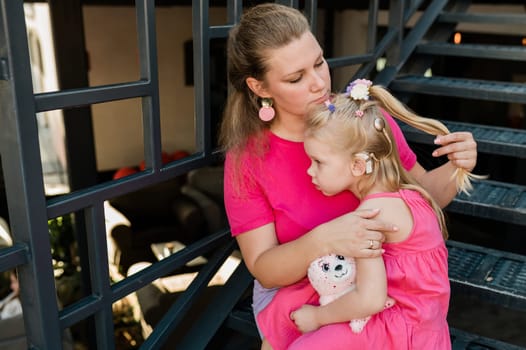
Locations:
{"points": [[298, 77]]}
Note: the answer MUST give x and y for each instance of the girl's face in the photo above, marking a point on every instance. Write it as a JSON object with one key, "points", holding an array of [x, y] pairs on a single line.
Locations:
{"points": [[330, 169], [298, 77]]}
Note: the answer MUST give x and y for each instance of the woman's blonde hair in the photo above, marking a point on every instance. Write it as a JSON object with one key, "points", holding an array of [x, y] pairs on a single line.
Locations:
{"points": [[358, 126], [261, 28]]}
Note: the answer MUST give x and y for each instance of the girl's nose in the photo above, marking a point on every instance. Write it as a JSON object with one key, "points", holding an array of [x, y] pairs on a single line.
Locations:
{"points": [[310, 172]]}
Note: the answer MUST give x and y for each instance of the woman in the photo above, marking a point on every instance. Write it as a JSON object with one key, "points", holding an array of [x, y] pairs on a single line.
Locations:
{"points": [[281, 222]]}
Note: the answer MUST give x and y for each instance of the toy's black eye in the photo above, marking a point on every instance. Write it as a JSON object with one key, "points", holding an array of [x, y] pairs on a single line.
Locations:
{"points": [[325, 267], [340, 257]]}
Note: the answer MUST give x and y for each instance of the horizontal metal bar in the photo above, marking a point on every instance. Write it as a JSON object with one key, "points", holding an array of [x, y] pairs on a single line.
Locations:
{"points": [[13, 256], [87, 96], [220, 31], [81, 199]]}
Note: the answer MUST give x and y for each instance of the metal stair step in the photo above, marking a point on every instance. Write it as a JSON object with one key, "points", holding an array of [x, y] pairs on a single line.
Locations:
{"points": [[490, 139], [496, 18], [496, 276], [495, 200], [461, 88], [461, 340], [499, 52]]}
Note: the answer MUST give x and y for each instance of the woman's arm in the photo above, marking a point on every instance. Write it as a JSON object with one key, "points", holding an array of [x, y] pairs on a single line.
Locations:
{"points": [[277, 265], [368, 298], [461, 150]]}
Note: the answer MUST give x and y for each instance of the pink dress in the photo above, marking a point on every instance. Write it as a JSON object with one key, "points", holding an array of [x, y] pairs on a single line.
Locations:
{"points": [[417, 276], [277, 189]]}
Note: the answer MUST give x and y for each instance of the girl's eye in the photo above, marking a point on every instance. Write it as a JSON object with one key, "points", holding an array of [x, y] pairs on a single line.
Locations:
{"points": [[319, 64]]}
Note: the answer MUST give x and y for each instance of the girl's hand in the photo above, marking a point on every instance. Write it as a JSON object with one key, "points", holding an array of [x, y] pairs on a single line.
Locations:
{"points": [[460, 148], [305, 318], [358, 234]]}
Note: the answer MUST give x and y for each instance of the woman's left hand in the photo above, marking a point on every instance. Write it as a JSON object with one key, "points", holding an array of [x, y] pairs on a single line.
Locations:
{"points": [[460, 148]]}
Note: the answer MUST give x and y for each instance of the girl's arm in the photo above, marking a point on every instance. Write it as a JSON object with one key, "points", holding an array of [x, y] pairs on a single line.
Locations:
{"points": [[368, 298], [277, 265]]}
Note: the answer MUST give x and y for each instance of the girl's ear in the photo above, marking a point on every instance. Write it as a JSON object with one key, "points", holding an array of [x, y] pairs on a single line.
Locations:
{"points": [[358, 166], [257, 87]]}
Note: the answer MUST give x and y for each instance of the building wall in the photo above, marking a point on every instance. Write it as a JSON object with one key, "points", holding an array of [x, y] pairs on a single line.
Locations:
{"points": [[111, 42]]}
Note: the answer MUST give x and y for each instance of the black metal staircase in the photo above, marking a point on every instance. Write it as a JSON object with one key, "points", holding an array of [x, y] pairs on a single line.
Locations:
{"points": [[496, 276]]}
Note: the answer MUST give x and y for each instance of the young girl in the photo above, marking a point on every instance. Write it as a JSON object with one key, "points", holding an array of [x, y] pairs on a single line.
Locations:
{"points": [[352, 148]]}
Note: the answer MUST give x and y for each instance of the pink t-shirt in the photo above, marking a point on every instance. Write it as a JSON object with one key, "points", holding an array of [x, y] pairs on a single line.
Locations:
{"points": [[277, 188]]}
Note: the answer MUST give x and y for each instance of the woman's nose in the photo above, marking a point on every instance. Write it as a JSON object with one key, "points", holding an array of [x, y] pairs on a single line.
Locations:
{"points": [[318, 83]]}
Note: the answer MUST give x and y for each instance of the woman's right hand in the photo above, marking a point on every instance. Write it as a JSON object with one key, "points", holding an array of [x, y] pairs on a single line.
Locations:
{"points": [[357, 234]]}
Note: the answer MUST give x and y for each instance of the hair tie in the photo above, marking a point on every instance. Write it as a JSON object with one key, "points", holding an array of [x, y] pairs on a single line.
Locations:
{"points": [[329, 105], [359, 89], [359, 113]]}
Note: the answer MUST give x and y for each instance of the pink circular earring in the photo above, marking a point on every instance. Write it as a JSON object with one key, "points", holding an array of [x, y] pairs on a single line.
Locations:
{"points": [[266, 112]]}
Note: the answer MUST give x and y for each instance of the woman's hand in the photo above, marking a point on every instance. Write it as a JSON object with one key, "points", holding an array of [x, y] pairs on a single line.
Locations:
{"points": [[358, 234], [305, 318], [460, 148]]}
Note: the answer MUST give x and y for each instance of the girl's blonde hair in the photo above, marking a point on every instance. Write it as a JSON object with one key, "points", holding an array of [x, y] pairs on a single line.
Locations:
{"points": [[358, 126]]}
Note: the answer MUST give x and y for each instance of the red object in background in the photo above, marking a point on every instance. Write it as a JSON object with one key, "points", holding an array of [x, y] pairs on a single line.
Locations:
{"points": [[179, 154], [125, 171], [167, 158]]}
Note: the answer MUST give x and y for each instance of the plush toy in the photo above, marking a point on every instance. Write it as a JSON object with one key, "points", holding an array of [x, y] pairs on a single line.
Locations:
{"points": [[334, 275]]}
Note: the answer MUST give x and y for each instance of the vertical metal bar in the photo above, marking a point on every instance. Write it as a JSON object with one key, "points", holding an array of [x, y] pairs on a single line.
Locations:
{"points": [[68, 36], [100, 277], [372, 26], [147, 42], [234, 9], [201, 50], [396, 20], [24, 182], [310, 11], [292, 3]]}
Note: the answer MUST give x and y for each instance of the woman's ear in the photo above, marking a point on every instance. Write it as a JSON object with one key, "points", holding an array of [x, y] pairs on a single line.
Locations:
{"points": [[257, 87]]}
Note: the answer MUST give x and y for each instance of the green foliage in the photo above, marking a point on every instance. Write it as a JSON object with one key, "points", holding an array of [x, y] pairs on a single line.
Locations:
{"points": [[62, 240]]}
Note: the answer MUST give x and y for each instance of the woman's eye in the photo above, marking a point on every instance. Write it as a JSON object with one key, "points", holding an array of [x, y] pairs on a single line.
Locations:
{"points": [[318, 64], [296, 80]]}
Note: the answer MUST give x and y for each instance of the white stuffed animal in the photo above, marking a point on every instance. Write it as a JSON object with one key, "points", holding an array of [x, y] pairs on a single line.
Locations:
{"points": [[332, 276]]}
